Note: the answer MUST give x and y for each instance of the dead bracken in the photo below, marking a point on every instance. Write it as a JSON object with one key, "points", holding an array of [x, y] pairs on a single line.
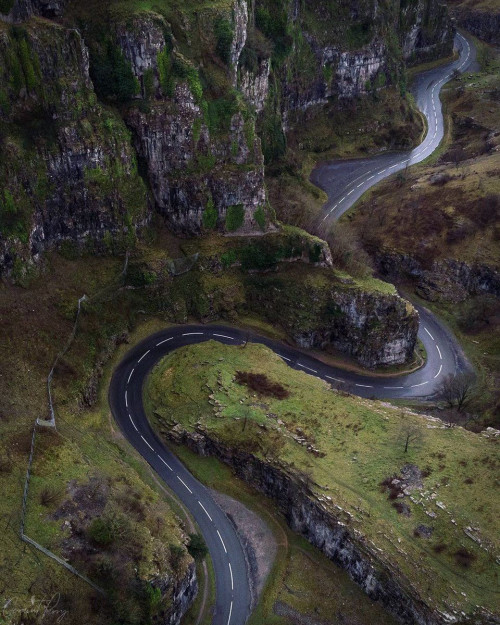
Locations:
{"points": [[260, 383]]}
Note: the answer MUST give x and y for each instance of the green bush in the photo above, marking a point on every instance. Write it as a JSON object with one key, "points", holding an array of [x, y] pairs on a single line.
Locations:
{"points": [[209, 216], [112, 74], [6, 6], [197, 547], [234, 217], [260, 217], [274, 25], [228, 258], [224, 34], [13, 221], [315, 253], [102, 532], [149, 83], [220, 112], [360, 34]]}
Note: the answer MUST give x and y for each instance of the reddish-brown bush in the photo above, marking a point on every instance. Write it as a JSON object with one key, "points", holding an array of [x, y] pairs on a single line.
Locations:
{"points": [[260, 383]]}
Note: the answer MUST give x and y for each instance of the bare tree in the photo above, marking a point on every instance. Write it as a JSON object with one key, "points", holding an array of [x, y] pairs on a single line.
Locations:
{"points": [[457, 390], [410, 433]]}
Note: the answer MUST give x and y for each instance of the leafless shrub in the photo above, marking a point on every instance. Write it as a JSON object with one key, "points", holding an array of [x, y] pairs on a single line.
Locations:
{"points": [[457, 390]]}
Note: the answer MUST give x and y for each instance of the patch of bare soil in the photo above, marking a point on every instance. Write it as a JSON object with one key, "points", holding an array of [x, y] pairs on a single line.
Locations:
{"points": [[257, 539]]}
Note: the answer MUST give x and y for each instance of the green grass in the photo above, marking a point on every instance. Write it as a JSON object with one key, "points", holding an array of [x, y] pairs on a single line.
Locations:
{"points": [[294, 554], [362, 444], [86, 447]]}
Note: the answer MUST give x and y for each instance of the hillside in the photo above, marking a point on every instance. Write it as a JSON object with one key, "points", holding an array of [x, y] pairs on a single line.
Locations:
{"points": [[339, 470]]}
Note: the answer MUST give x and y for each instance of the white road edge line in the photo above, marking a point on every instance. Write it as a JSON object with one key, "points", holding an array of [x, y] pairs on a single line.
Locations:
{"points": [[223, 336], [205, 510], [184, 484], [218, 533], [164, 462], [439, 352], [429, 333], [231, 573], [130, 375], [147, 443], [164, 341], [440, 367], [144, 355]]}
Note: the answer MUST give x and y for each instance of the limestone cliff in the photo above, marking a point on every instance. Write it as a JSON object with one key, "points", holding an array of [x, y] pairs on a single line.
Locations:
{"points": [[141, 110], [67, 169]]}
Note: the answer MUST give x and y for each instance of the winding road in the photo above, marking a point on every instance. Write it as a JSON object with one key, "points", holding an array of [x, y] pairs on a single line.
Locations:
{"points": [[345, 182]]}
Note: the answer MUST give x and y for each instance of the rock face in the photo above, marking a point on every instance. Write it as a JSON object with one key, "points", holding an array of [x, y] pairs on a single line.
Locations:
{"points": [[321, 528], [182, 595], [68, 172], [483, 24], [185, 108], [447, 280], [376, 329]]}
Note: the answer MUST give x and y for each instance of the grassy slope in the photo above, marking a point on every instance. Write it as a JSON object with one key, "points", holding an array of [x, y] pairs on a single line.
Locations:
{"points": [[362, 443], [287, 581], [37, 323]]}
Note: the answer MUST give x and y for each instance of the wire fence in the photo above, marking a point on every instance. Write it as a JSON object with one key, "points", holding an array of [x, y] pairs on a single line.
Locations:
{"points": [[51, 422], [176, 267]]}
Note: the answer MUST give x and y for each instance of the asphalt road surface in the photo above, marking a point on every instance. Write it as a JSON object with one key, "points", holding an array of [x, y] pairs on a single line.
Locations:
{"points": [[344, 182]]}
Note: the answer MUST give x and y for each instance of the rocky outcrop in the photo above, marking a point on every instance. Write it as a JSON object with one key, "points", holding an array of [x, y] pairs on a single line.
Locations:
{"points": [[376, 329], [182, 594], [426, 31], [68, 171], [446, 280], [483, 24], [308, 516], [22, 10]]}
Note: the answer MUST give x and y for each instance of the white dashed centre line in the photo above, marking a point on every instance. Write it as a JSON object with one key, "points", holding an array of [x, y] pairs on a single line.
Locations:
{"points": [[164, 462], [147, 443], [164, 341], [336, 379], [440, 367], [439, 352], [223, 336], [429, 333], [364, 385], [205, 510], [231, 573], [285, 358], [130, 375], [393, 387], [218, 533], [184, 484], [308, 368], [230, 612], [191, 333], [126, 399], [421, 384], [144, 355], [132, 422], [370, 178]]}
